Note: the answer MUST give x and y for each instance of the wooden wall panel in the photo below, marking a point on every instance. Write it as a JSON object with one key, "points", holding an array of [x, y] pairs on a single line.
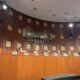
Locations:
{"points": [[28, 67], [8, 67], [35, 67]]}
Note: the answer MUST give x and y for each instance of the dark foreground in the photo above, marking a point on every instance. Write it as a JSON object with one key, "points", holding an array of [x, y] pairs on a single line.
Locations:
{"points": [[63, 77]]}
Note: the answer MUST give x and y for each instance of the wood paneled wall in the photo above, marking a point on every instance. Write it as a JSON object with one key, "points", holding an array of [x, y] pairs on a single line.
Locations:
{"points": [[18, 20], [33, 67]]}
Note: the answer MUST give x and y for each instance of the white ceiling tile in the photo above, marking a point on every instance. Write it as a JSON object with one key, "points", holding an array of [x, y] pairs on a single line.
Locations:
{"points": [[45, 11]]}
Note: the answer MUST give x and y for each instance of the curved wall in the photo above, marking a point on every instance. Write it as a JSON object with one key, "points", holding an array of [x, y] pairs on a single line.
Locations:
{"points": [[32, 67], [13, 23]]}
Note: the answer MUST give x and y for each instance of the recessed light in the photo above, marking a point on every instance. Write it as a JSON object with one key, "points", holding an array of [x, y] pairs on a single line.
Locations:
{"points": [[54, 15], [45, 24], [33, 0], [37, 22], [61, 26], [70, 25], [35, 8], [4, 6], [66, 13]]}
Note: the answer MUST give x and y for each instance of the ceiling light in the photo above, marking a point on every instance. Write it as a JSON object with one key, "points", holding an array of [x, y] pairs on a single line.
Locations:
{"points": [[66, 13], [4, 6], [32, 0], [71, 25], [35, 8], [54, 15]]}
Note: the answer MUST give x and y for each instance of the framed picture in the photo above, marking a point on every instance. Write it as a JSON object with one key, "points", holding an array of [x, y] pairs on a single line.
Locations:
{"points": [[8, 44], [45, 47], [71, 47], [19, 45], [63, 48], [37, 23], [20, 17], [45, 24], [24, 33], [54, 48], [19, 30], [11, 13], [29, 20], [9, 27], [28, 46]]}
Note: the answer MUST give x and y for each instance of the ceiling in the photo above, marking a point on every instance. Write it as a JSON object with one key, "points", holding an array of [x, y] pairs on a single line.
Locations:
{"points": [[50, 10]]}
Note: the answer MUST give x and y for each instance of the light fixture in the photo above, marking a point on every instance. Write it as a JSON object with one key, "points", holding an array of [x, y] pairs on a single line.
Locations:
{"points": [[70, 25], [34, 8], [54, 15], [4, 6]]}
